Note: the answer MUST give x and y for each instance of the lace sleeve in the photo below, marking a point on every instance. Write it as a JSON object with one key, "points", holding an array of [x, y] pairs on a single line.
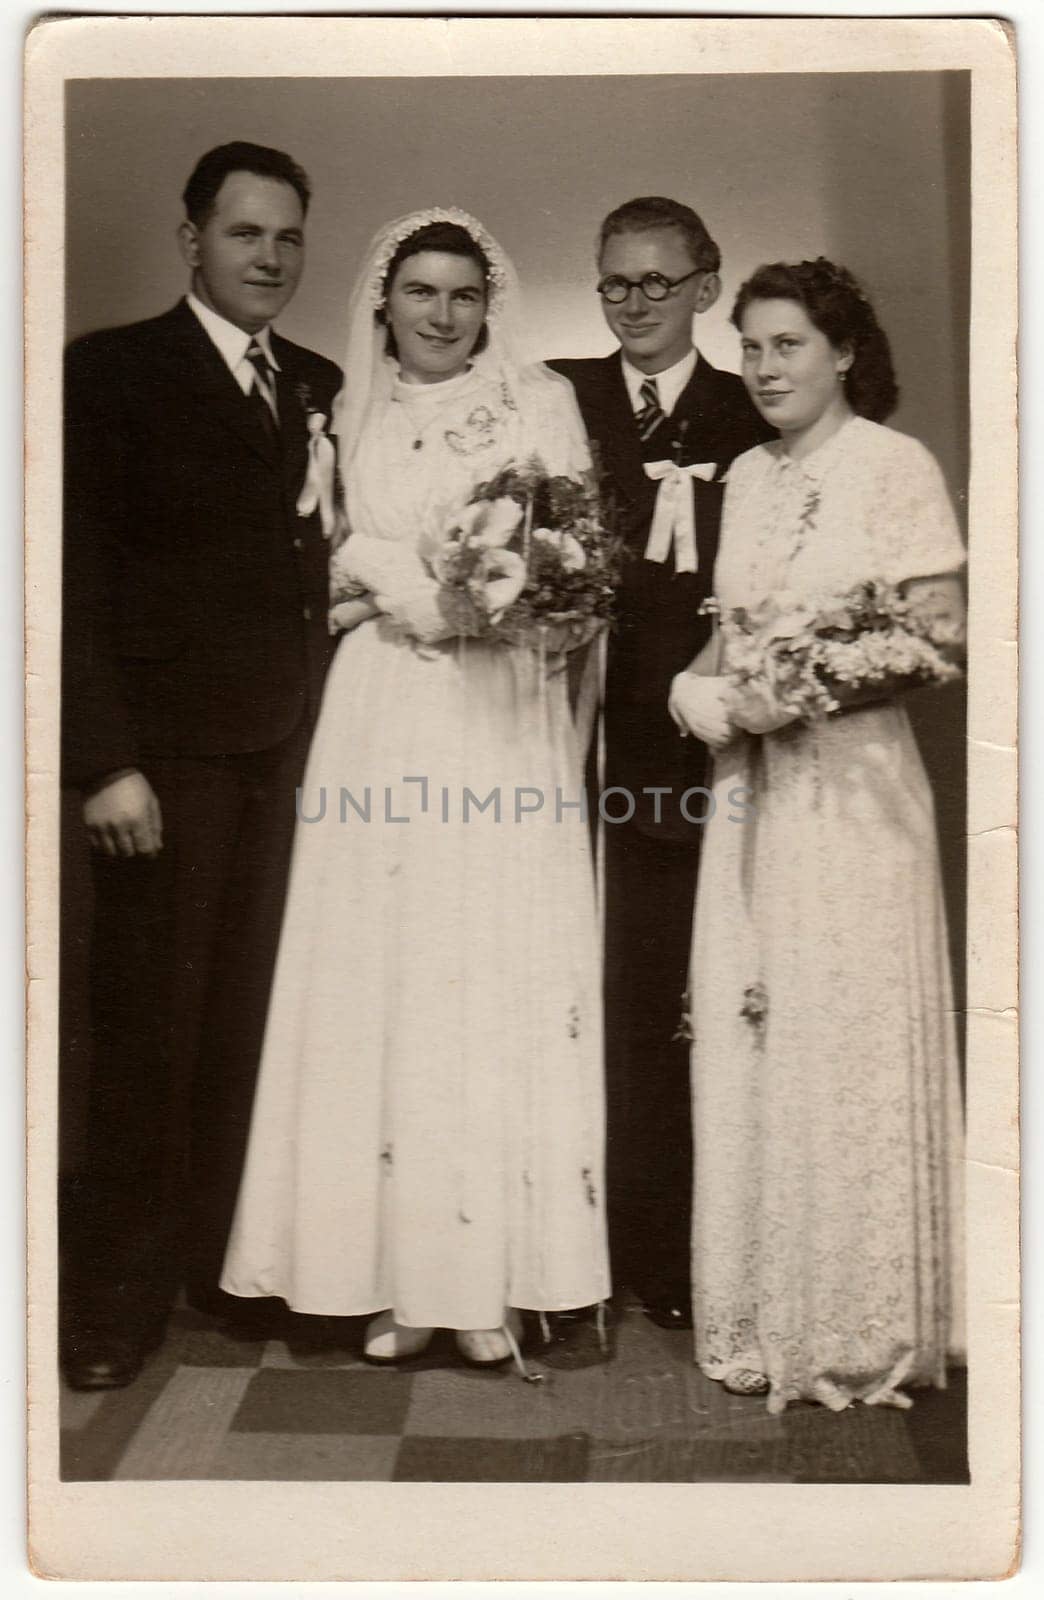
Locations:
{"points": [[915, 519], [398, 581]]}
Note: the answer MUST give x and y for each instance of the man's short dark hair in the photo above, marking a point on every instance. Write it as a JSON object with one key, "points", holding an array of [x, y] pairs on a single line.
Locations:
{"points": [[655, 211], [211, 170]]}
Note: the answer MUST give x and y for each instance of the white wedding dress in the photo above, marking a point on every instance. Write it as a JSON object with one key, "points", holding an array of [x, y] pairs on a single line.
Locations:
{"points": [[428, 1128]]}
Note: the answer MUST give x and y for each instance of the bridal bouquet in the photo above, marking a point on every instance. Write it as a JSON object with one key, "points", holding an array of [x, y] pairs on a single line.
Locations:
{"points": [[528, 560], [815, 653]]}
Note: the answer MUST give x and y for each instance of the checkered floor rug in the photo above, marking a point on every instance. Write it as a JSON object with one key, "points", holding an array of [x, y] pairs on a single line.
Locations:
{"points": [[302, 1405]]}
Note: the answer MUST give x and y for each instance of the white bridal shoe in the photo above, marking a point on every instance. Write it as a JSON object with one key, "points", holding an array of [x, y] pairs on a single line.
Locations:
{"points": [[388, 1340], [486, 1347]]}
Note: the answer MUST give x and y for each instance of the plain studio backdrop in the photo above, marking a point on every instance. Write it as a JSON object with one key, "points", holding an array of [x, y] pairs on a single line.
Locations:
{"points": [[869, 169]]}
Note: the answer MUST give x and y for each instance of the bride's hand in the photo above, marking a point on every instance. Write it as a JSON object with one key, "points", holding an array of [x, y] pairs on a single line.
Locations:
{"points": [[348, 614]]}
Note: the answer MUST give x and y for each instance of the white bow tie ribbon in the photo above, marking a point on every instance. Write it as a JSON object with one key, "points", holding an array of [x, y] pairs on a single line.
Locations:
{"points": [[674, 520], [318, 488]]}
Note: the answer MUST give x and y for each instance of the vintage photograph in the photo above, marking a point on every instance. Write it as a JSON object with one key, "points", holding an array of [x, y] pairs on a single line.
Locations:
{"points": [[511, 792]]}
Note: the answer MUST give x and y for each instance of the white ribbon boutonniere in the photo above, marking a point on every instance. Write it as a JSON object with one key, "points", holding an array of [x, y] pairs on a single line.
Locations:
{"points": [[673, 520], [318, 487]]}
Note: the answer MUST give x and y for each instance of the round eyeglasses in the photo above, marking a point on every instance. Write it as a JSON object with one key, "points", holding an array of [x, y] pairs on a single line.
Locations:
{"points": [[653, 285]]}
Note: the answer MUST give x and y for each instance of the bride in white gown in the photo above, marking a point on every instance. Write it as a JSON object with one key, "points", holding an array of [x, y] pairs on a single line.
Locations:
{"points": [[427, 1139]]}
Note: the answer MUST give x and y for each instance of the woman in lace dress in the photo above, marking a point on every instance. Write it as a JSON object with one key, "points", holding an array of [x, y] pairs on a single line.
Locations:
{"points": [[427, 1141], [828, 1232]]}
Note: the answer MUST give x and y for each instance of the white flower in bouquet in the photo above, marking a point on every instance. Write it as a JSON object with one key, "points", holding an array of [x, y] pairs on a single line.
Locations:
{"points": [[570, 550], [497, 581], [875, 657], [481, 525], [792, 619], [442, 553], [489, 524]]}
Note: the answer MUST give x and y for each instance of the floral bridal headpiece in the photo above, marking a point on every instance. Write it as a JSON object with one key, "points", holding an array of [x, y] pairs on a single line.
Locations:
{"points": [[406, 227]]}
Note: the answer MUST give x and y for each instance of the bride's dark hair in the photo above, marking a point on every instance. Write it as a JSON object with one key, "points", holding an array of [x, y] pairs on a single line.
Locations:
{"points": [[839, 308], [450, 239]]}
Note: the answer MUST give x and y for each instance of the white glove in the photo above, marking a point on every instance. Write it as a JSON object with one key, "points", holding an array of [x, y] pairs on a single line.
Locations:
{"points": [[698, 706], [755, 709]]}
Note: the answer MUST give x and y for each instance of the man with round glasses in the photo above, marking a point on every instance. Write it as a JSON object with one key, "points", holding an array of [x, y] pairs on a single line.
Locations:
{"points": [[654, 286], [667, 425]]}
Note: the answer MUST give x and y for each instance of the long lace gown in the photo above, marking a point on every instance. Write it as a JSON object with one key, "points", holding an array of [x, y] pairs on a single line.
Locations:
{"points": [[828, 1231], [428, 1127]]}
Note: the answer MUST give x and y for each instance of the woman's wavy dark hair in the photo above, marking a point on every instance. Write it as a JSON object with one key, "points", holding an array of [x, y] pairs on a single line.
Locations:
{"points": [[837, 306], [450, 239]]}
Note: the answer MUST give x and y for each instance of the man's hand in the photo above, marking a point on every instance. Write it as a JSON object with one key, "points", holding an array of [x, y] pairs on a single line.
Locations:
{"points": [[123, 818], [349, 613], [698, 706]]}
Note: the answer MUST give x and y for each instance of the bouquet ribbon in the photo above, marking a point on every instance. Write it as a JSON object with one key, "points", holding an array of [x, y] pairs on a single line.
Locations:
{"points": [[590, 692], [318, 488], [674, 518]]}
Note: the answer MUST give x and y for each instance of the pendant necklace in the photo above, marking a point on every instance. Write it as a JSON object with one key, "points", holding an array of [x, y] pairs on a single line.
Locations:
{"points": [[415, 426]]}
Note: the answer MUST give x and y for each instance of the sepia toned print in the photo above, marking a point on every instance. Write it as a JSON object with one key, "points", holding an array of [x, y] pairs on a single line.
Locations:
{"points": [[519, 1010]]}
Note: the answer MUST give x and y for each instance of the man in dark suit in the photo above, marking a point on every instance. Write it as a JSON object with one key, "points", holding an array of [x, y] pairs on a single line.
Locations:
{"points": [[195, 645], [667, 425]]}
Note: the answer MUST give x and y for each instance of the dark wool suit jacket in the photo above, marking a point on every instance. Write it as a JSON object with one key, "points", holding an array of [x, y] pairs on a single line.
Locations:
{"points": [[194, 596], [658, 628]]}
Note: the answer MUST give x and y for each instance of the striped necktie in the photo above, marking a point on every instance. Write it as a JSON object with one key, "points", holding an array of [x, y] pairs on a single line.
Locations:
{"points": [[650, 416], [262, 390]]}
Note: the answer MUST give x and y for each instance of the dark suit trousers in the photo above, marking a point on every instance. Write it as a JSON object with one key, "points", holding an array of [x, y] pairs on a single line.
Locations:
{"points": [[649, 892], [183, 951]]}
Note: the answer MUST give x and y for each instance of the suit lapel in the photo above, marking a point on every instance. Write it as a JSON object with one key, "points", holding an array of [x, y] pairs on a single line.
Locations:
{"points": [[699, 405], [202, 368], [294, 403], [294, 396], [624, 448]]}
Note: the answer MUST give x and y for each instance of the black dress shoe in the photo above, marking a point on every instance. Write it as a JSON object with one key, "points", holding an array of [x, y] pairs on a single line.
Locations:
{"points": [[240, 1316], [108, 1361], [669, 1312], [212, 1301]]}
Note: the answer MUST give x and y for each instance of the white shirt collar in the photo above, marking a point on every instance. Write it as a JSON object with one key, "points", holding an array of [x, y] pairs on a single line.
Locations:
{"points": [[669, 383], [232, 342]]}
